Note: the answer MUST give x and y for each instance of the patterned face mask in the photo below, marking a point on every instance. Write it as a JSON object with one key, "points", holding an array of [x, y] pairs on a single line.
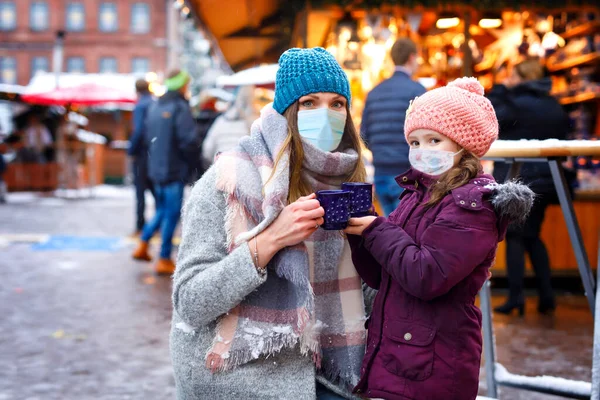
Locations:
{"points": [[432, 162]]}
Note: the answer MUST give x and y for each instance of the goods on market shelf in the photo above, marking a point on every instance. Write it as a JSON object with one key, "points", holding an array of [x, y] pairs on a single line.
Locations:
{"points": [[580, 98], [582, 30], [578, 61]]}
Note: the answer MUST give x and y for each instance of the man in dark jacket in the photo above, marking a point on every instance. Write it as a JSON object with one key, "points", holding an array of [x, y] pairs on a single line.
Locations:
{"points": [[526, 110], [2, 183], [139, 152], [382, 125], [172, 140]]}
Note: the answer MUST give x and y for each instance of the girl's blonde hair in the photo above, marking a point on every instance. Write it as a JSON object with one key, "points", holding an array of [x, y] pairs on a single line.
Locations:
{"points": [[299, 187], [468, 168]]}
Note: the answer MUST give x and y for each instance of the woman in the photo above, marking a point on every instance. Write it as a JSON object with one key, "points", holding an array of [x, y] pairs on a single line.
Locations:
{"points": [[38, 141], [265, 303], [526, 110], [230, 127]]}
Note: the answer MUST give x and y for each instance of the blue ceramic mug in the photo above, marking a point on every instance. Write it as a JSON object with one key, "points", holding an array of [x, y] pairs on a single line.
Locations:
{"points": [[336, 204], [361, 202]]}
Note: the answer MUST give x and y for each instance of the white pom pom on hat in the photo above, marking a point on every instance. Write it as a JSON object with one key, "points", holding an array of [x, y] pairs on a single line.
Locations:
{"points": [[468, 83]]}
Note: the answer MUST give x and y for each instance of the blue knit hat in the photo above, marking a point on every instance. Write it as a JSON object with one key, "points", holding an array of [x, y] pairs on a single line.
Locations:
{"points": [[306, 71]]}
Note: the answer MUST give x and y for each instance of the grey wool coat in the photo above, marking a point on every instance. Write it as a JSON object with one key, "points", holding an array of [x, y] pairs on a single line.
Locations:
{"points": [[208, 283]]}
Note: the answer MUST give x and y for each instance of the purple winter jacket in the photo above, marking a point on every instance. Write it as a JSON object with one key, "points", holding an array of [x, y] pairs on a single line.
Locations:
{"points": [[424, 339]]}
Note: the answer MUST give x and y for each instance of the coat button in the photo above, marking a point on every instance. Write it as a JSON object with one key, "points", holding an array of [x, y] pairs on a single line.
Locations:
{"points": [[473, 204], [462, 202], [407, 336], [404, 179]]}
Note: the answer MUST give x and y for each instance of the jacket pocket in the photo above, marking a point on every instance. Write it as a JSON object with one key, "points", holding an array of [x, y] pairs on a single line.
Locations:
{"points": [[408, 349]]}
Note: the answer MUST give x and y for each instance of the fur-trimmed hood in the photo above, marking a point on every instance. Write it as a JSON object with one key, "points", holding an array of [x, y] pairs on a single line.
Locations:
{"points": [[512, 200]]}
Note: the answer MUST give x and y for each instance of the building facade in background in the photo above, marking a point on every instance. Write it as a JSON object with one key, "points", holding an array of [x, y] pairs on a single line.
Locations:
{"points": [[101, 36]]}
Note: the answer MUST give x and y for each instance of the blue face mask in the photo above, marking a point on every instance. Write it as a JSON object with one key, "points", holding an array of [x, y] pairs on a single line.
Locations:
{"points": [[323, 128]]}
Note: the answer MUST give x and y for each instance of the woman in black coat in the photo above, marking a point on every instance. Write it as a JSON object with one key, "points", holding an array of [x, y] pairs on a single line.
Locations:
{"points": [[526, 110]]}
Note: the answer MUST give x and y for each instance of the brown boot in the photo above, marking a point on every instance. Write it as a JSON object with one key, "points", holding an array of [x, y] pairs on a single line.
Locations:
{"points": [[141, 252], [164, 266]]}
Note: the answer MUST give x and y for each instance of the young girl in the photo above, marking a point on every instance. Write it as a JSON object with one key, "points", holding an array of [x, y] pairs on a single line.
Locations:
{"points": [[431, 256]]}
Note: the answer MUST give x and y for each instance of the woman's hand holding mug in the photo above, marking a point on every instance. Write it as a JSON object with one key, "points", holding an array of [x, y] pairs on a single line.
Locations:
{"points": [[296, 223]]}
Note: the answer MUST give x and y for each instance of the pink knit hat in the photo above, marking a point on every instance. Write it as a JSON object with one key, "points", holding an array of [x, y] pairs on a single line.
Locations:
{"points": [[458, 111]]}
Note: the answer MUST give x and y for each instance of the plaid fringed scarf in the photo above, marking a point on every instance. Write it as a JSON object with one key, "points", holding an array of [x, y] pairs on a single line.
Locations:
{"points": [[312, 296]]}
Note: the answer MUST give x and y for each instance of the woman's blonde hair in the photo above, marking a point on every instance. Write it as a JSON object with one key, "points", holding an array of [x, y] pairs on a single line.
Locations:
{"points": [[299, 187], [468, 168]]}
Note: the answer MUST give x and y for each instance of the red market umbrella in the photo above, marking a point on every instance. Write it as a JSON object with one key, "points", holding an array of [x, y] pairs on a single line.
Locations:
{"points": [[86, 94]]}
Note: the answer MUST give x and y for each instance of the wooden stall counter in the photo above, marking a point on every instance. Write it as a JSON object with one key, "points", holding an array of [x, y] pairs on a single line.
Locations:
{"points": [[543, 148], [89, 151], [21, 177]]}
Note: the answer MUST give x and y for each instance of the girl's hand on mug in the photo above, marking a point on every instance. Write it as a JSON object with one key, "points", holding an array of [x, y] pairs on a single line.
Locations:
{"points": [[296, 222], [356, 226]]}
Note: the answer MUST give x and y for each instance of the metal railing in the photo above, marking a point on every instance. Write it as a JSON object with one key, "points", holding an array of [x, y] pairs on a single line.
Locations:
{"points": [[496, 374]]}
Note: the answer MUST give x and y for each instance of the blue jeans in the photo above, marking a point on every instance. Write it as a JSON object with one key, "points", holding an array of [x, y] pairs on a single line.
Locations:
{"points": [[169, 199], [388, 192], [142, 183]]}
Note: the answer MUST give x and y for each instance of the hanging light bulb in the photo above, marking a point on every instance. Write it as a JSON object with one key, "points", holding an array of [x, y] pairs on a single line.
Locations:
{"points": [[151, 76], [345, 34], [367, 32], [447, 20], [332, 49], [490, 20], [354, 41], [347, 23], [551, 41]]}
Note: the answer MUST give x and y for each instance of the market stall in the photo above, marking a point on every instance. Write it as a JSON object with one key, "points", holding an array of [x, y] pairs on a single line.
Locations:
{"points": [[485, 41], [78, 154], [553, 153]]}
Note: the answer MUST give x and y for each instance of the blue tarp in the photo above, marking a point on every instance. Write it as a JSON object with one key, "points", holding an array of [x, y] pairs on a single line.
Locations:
{"points": [[81, 243]]}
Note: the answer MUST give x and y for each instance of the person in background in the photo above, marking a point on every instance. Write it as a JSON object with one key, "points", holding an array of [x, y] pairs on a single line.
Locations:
{"points": [[3, 189], [139, 152], [526, 110], [37, 140], [205, 118], [230, 127], [382, 125], [70, 152], [173, 146]]}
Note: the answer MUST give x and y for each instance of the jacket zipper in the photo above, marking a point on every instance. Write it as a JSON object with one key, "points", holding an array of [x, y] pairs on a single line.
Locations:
{"points": [[387, 288]]}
